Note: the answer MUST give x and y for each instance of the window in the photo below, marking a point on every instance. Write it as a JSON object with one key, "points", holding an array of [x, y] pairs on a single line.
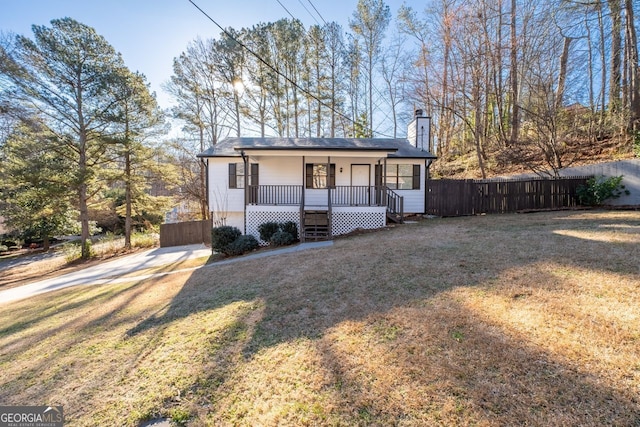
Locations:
{"points": [[236, 175], [317, 176], [403, 177]]}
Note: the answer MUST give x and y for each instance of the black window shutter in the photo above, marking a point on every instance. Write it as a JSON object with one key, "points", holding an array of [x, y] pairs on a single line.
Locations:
{"points": [[232, 176], [254, 174], [416, 177], [309, 175], [378, 176], [332, 175]]}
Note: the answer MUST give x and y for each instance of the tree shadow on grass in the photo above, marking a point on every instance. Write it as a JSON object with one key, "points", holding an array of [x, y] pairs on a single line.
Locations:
{"points": [[305, 296]]}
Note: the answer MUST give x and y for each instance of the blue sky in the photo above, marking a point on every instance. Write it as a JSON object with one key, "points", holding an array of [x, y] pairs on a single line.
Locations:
{"points": [[150, 33]]}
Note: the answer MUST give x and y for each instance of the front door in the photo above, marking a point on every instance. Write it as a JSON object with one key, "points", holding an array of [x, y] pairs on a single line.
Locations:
{"points": [[360, 184]]}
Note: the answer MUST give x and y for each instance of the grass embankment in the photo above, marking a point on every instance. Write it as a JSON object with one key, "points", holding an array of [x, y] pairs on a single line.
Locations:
{"points": [[496, 320]]}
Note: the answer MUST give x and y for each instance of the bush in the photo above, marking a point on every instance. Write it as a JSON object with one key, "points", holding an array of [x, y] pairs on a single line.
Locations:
{"points": [[144, 240], [267, 230], [4, 248], [241, 245], [281, 238], [291, 228], [73, 250], [221, 237], [599, 189]]}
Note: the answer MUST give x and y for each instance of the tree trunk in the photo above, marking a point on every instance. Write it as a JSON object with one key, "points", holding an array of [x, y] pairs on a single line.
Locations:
{"points": [[603, 78], [631, 46], [515, 116], [371, 94], [204, 209], [562, 76], [127, 196], [84, 218], [615, 74]]}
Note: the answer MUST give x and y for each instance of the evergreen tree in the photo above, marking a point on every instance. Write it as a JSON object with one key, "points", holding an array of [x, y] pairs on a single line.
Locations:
{"points": [[65, 74], [34, 182]]}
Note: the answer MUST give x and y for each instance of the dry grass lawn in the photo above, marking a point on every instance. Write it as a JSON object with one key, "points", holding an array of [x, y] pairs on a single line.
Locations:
{"points": [[487, 321]]}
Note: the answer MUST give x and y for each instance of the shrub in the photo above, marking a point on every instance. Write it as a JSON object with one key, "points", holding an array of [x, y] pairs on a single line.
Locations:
{"points": [[221, 237], [291, 228], [281, 238], [144, 240], [4, 248], [267, 230], [73, 250], [241, 245], [599, 189]]}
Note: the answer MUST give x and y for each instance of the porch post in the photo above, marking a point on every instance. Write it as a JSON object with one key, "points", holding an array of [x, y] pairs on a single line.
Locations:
{"points": [[384, 172], [304, 187], [329, 208], [245, 160]]}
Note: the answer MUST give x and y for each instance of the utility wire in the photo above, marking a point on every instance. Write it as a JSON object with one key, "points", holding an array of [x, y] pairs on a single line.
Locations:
{"points": [[314, 8], [287, 10], [274, 69], [386, 115], [271, 67], [308, 11], [345, 49]]}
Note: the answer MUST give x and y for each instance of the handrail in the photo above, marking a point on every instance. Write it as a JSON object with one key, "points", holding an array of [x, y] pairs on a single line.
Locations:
{"points": [[394, 203]]}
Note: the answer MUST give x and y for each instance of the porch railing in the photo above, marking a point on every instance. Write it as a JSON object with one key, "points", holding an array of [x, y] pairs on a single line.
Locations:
{"points": [[343, 195], [359, 195], [275, 195], [394, 203]]}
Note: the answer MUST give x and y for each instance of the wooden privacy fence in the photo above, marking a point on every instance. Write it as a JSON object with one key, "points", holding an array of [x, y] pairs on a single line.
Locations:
{"points": [[185, 233], [447, 197]]}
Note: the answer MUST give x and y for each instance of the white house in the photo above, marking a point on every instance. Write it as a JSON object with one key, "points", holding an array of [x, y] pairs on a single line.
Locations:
{"points": [[328, 186]]}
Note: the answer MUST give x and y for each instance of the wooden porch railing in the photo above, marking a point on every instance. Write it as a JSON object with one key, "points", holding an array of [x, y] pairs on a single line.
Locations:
{"points": [[364, 195], [275, 195], [394, 203], [343, 195]]}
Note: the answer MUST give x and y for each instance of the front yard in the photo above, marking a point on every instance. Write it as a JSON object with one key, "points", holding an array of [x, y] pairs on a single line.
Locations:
{"points": [[495, 320]]}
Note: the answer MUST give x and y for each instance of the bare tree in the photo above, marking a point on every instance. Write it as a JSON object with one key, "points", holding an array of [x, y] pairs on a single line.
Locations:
{"points": [[369, 23]]}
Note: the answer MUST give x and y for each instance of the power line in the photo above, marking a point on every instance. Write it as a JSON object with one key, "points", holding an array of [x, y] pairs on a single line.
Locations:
{"points": [[314, 8], [271, 67], [287, 10], [387, 114], [309, 12], [345, 49]]}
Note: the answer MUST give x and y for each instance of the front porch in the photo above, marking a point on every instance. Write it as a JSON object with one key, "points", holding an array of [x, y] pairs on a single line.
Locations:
{"points": [[322, 213]]}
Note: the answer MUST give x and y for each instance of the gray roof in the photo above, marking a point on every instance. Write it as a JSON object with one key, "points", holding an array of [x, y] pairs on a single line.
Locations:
{"points": [[398, 148]]}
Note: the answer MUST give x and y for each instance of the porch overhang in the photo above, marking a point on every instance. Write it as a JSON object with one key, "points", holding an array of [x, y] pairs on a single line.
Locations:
{"points": [[310, 152]]}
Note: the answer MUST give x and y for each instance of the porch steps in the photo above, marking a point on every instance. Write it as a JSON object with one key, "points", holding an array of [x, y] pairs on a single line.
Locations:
{"points": [[394, 218], [316, 225]]}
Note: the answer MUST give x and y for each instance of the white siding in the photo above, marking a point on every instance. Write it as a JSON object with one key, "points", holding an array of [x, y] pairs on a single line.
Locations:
{"points": [[279, 170], [223, 201], [413, 199]]}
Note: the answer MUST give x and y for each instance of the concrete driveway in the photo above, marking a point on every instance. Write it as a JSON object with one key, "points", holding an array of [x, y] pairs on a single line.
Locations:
{"points": [[112, 271], [108, 272]]}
